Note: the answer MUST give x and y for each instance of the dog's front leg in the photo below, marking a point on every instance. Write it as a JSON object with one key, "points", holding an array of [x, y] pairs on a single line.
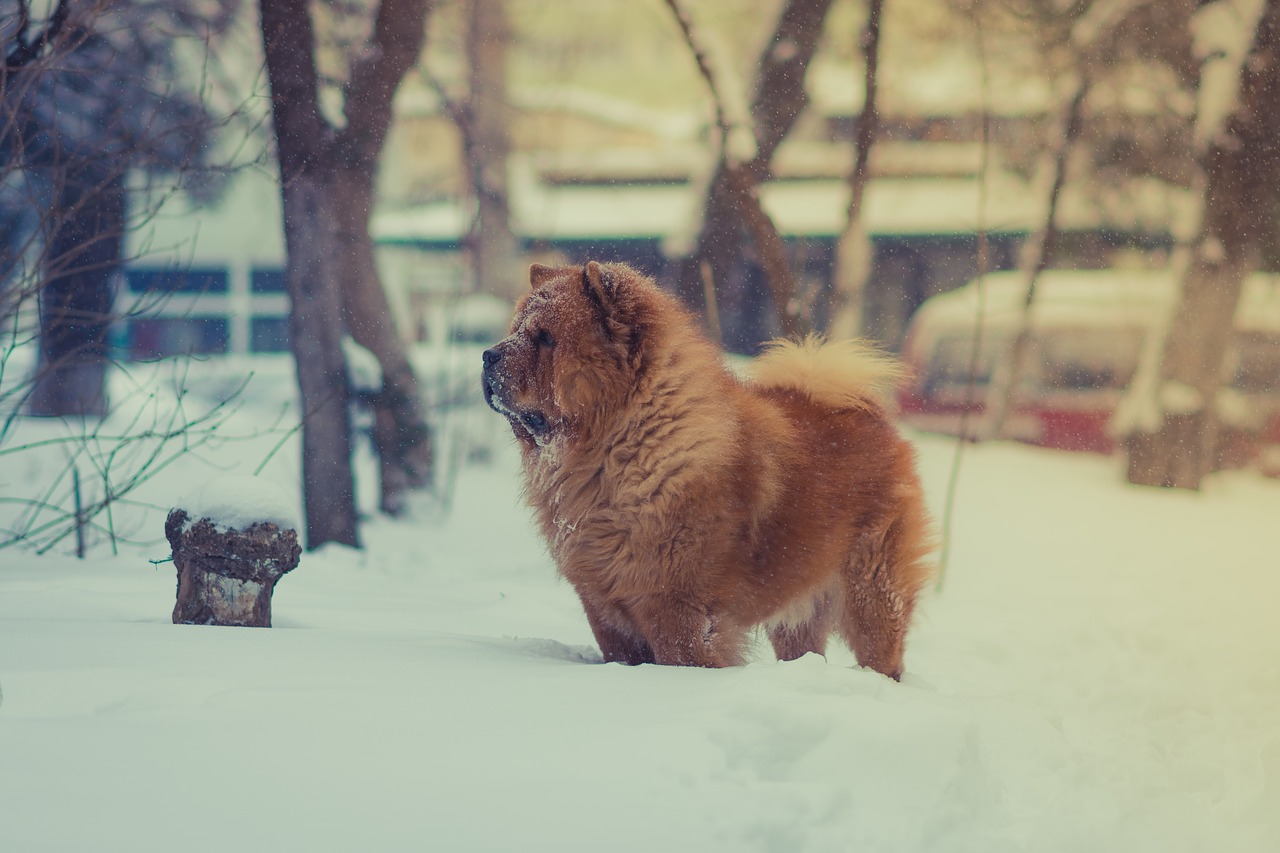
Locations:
{"points": [[689, 635], [618, 639]]}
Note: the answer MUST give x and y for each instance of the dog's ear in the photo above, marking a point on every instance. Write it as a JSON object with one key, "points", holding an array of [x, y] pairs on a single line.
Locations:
{"points": [[540, 274], [599, 283]]}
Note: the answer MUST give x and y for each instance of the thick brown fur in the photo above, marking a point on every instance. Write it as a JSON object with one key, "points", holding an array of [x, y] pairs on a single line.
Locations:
{"points": [[687, 506]]}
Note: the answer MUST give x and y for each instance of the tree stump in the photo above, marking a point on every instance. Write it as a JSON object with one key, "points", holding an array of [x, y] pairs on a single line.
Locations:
{"points": [[226, 576]]}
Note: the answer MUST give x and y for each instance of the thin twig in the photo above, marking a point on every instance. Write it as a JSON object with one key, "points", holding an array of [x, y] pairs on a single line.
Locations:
{"points": [[953, 476], [704, 68]]}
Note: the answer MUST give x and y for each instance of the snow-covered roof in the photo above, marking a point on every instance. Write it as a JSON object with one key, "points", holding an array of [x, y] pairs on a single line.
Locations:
{"points": [[961, 206], [817, 208]]}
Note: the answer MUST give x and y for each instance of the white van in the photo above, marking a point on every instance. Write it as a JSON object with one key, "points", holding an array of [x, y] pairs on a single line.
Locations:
{"points": [[1087, 330]]}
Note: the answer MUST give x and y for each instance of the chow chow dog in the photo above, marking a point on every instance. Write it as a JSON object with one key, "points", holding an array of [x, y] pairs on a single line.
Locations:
{"points": [[687, 506]]}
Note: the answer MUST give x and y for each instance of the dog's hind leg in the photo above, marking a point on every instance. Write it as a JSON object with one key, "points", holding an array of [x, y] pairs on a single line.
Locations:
{"points": [[883, 577], [795, 639]]}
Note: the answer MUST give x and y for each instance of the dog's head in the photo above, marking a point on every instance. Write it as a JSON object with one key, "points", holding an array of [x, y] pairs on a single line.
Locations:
{"points": [[573, 350]]}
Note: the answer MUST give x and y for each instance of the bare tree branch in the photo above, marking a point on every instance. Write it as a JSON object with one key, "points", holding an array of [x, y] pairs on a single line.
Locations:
{"points": [[853, 248], [869, 118], [459, 110], [704, 68], [780, 94], [398, 34], [1038, 254]]}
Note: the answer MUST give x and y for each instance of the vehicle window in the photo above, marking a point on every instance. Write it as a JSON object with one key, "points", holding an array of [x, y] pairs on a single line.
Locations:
{"points": [[1092, 359], [951, 365]]}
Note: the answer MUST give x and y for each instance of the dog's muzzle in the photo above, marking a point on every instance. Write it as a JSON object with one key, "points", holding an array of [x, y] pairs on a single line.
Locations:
{"points": [[493, 384]]}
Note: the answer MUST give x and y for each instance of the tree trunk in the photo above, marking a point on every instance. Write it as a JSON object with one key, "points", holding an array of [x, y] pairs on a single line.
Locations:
{"points": [[316, 329], [312, 271], [1241, 165], [771, 250], [719, 250], [82, 254], [326, 178], [780, 95], [853, 248], [495, 248], [733, 203], [401, 437]]}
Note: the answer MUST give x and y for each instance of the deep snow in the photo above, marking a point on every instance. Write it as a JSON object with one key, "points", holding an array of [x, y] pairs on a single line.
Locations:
{"points": [[1100, 671]]}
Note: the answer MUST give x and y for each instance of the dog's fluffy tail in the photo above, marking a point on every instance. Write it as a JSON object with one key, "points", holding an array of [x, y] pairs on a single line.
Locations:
{"points": [[844, 374]]}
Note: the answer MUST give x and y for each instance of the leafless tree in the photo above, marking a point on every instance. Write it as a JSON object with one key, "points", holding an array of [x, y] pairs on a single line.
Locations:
{"points": [[89, 93], [1231, 163], [1070, 28], [326, 177], [1240, 164], [483, 117], [733, 209], [1100, 53], [102, 117]]}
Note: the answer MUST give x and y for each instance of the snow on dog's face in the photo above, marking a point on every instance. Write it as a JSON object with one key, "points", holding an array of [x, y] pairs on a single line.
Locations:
{"points": [[571, 352]]}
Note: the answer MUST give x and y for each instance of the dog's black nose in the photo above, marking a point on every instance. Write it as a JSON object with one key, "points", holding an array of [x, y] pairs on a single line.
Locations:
{"points": [[491, 357]]}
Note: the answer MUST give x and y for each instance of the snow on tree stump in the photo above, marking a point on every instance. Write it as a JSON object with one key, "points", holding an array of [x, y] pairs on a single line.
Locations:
{"points": [[232, 541]]}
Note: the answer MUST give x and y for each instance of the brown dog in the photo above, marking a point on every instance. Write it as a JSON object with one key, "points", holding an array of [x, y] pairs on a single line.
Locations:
{"points": [[687, 507]]}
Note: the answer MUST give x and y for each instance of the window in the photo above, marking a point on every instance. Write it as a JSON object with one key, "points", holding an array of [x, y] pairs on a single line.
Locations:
{"points": [[191, 281], [269, 334], [952, 368], [168, 336], [267, 281], [1087, 359]]}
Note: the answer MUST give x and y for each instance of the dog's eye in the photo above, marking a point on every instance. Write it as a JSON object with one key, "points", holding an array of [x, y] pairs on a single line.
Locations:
{"points": [[544, 339]]}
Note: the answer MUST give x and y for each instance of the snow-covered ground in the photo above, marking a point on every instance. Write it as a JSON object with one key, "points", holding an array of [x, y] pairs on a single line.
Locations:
{"points": [[1100, 671]]}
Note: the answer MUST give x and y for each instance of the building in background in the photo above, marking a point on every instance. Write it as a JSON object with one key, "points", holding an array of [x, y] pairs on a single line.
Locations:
{"points": [[610, 154]]}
